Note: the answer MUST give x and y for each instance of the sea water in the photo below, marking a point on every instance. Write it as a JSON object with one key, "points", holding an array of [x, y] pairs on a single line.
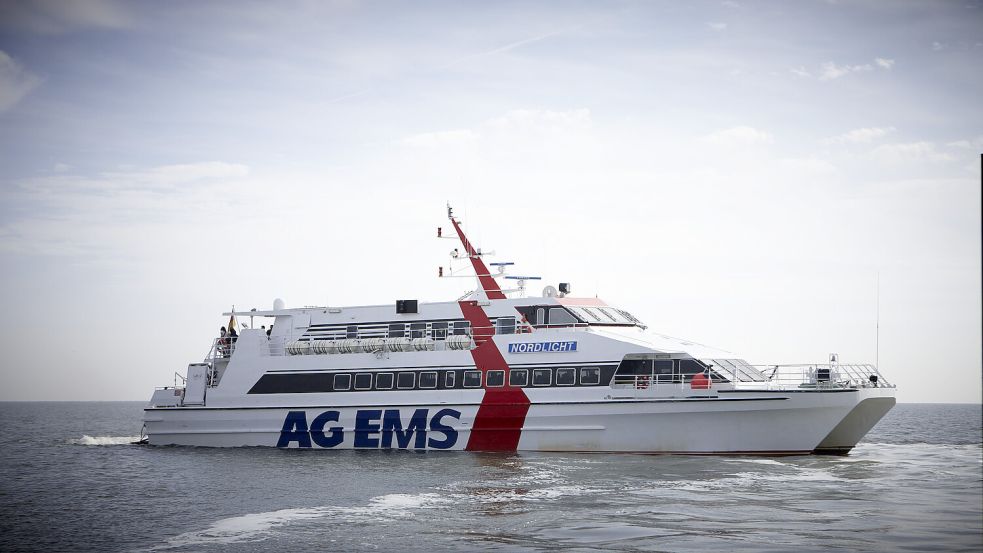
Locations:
{"points": [[71, 481]]}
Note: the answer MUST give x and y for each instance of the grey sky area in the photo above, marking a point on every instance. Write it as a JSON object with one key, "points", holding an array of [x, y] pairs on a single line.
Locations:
{"points": [[737, 173]]}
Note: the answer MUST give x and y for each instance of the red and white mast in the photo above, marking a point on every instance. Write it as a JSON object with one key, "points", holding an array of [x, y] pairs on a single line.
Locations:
{"points": [[487, 286]]}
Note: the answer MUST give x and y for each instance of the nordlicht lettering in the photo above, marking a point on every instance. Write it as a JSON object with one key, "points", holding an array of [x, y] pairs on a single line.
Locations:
{"points": [[543, 347]]}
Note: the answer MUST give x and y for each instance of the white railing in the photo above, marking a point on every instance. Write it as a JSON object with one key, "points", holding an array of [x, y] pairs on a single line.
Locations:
{"points": [[823, 376], [382, 340]]}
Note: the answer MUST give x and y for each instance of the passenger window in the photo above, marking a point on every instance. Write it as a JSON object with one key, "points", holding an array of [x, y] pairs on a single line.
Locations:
{"points": [[472, 379], [495, 379], [363, 381], [566, 377], [418, 330], [405, 381], [439, 330], [505, 325], [541, 377], [342, 382], [518, 377], [352, 331], [449, 378], [428, 380], [384, 381], [462, 328], [590, 376], [396, 330], [540, 316]]}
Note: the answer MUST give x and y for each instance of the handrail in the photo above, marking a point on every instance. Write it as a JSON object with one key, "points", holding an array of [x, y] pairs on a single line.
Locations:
{"points": [[828, 375]]}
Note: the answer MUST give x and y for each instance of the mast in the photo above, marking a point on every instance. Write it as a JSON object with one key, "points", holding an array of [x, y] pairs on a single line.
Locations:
{"points": [[486, 283]]}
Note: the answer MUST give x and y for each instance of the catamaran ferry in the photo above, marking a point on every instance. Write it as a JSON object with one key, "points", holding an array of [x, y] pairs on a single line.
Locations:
{"points": [[491, 372]]}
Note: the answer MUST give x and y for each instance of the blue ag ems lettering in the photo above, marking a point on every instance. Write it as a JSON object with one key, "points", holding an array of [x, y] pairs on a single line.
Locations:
{"points": [[543, 347], [370, 424]]}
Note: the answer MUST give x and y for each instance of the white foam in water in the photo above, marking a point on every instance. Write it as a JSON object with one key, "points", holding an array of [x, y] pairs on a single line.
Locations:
{"points": [[104, 440], [259, 526], [250, 527]]}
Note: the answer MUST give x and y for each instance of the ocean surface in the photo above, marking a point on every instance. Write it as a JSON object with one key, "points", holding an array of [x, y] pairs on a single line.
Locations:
{"points": [[70, 481]]}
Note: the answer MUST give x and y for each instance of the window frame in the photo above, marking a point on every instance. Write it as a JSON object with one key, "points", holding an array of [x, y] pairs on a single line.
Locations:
{"points": [[411, 386], [392, 380], [525, 379], [334, 382], [420, 380], [488, 380], [549, 381], [355, 382], [566, 370], [464, 381], [597, 371]]}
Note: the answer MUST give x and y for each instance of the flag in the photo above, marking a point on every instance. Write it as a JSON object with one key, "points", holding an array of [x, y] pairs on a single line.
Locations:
{"points": [[232, 320]]}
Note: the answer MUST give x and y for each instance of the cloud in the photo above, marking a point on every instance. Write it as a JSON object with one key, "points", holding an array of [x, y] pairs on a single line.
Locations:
{"points": [[515, 123], [974, 144], [57, 17], [938, 46], [717, 26], [509, 46], [109, 208], [832, 71], [542, 120], [860, 136], [801, 72], [440, 138], [730, 4], [15, 82], [911, 151], [738, 136]]}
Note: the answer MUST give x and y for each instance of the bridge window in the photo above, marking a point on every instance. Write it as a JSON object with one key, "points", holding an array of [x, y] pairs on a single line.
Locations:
{"points": [[518, 377], [566, 377], [428, 380], [439, 330], [405, 381], [663, 371], [472, 379], [541, 316], [449, 379], [342, 382], [384, 381], [363, 381], [560, 316], [541, 377], [495, 379], [590, 376], [689, 367]]}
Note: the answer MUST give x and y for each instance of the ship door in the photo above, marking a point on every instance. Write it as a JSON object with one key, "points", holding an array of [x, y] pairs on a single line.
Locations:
{"points": [[194, 392]]}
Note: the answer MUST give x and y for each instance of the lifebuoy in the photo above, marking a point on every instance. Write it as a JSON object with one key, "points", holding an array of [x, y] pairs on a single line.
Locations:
{"points": [[700, 382]]}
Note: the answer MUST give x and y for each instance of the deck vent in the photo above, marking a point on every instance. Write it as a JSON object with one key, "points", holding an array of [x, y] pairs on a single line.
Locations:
{"points": [[406, 306]]}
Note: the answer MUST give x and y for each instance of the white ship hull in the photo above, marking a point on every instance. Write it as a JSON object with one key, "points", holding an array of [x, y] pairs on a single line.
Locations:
{"points": [[771, 423], [493, 373]]}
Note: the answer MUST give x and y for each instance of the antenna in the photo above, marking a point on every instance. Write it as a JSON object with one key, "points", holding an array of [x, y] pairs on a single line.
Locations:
{"points": [[877, 326]]}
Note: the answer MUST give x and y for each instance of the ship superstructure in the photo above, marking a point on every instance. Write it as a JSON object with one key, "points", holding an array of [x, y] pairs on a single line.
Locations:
{"points": [[496, 373]]}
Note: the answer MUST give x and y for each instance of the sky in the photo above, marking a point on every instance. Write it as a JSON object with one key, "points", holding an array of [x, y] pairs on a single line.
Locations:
{"points": [[782, 180]]}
